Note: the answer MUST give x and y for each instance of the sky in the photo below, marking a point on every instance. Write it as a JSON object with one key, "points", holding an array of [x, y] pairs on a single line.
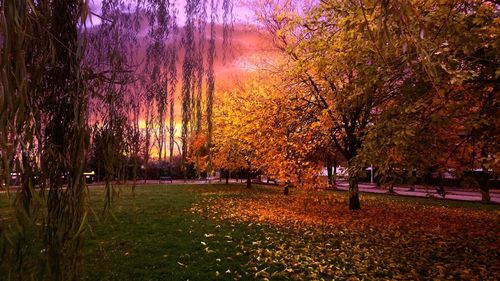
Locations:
{"points": [[241, 13]]}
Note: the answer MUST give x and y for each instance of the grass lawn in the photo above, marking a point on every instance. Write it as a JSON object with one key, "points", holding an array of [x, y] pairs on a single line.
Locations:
{"points": [[154, 237], [202, 232]]}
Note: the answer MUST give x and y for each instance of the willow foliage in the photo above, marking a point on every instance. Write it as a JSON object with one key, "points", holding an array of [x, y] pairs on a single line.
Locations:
{"points": [[41, 54]]}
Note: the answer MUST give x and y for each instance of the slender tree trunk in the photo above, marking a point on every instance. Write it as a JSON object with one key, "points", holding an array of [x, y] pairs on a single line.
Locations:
{"points": [[353, 193], [27, 184], [249, 177], [227, 177], [334, 178], [134, 175], [287, 187], [329, 171], [483, 182], [413, 180]]}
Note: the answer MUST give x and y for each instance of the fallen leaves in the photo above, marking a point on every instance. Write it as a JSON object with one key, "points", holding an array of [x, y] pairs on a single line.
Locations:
{"points": [[314, 236]]}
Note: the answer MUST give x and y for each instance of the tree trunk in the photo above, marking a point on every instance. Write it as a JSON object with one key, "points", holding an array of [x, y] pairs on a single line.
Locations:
{"points": [[334, 172], [485, 195], [483, 181], [285, 191], [354, 193], [483, 186], [391, 188], [227, 176], [197, 165], [329, 171], [249, 178], [413, 180]]}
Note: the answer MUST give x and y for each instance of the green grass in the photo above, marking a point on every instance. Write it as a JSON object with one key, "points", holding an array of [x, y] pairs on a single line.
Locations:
{"points": [[153, 236]]}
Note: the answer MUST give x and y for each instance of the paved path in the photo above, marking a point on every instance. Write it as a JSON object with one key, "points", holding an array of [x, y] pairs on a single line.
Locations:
{"points": [[451, 193]]}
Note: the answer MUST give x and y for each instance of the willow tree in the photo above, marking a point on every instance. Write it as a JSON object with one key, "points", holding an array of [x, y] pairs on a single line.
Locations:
{"points": [[111, 45], [188, 68], [45, 94]]}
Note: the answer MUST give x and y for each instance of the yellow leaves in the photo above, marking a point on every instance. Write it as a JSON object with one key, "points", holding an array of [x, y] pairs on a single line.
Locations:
{"points": [[248, 128]]}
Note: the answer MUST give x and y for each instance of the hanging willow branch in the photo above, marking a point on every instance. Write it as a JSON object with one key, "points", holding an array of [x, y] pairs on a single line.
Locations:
{"points": [[172, 80], [188, 76], [227, 27], [210, 82]]}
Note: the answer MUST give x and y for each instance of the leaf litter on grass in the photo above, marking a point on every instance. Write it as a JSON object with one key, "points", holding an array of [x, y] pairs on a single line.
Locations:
{"points": [[314, 236]]}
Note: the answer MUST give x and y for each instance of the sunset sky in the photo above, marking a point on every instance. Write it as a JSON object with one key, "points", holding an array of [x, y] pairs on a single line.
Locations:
{"points": [[249, 47]]}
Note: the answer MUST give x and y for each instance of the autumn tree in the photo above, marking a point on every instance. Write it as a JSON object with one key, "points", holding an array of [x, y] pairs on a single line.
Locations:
{"points": [[234, 146], [446, 105], [256, 130], [334, 72]]}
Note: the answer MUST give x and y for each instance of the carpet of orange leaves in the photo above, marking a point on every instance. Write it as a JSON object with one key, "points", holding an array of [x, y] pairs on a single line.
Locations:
{"points": [[313, 235]]}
